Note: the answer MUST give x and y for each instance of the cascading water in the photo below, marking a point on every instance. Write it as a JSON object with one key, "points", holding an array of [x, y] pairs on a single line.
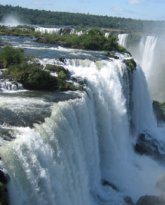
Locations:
{"points": [[149, 52], [6, 85], [145, 50], [61, 30], [86, 141], [47, 30], [143, 118], [148, 55], [122, 39]]}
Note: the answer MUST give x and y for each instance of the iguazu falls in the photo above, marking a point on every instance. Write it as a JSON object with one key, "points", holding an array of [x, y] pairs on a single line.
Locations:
{"points": [[82, 110]]}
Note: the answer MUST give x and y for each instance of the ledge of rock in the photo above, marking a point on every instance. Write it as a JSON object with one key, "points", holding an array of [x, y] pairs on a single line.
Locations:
{"points": [[147, 145], [4, 179], [151, 200], [107, 183]]}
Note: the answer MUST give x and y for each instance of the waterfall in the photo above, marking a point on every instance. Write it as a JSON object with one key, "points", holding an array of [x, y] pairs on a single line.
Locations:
{"points": [[84, 141], [143, 117], [142, 50], [47, 30], [148, 54], [122, 39], [106, 34]]}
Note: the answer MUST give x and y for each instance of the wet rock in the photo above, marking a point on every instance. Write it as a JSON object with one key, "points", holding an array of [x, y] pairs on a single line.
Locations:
{"points": [[2, 44], [4, 177], [3, 195], [1, 65], [147, 145], [79, 80], [151, 200], [161, 183], [158, 111], [128, 200], [62, 59], [107, 183]]}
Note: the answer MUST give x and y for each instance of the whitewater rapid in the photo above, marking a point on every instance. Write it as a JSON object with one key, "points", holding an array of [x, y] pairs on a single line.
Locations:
{"points": [[86, 141]]}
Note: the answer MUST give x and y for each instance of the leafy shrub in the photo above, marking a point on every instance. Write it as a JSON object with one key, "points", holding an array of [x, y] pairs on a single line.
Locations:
{"points": [[10, 56], [131, 64], [61, 71], [32, 77], [18, 31], [93, 40]]}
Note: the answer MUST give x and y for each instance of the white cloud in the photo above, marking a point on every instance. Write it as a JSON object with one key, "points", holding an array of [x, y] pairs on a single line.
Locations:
{"points": [[134, 1]]}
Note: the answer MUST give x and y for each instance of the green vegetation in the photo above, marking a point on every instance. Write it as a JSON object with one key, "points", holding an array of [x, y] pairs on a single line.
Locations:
{"points": [[10, 56], [93, 40], [18, 31], [59, 70], [63, 77], [31, 75], [112, 54], [159, 110], [41, 17], [130, 63], [162, 106], [3, 194]]}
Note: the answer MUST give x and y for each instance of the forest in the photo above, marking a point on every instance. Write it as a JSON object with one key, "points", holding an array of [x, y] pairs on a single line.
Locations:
{"points": [[47, 18]]}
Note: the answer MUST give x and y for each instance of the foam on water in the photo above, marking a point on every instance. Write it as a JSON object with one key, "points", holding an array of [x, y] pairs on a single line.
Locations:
{"points": [[84, 141]]}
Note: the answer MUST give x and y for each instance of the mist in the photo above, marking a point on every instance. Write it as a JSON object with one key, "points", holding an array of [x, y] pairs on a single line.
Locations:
{"points": [[11, 21], [149, 51]]}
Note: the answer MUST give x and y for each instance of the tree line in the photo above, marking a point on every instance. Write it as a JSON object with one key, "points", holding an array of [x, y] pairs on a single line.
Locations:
{"points": [[42, 17]]}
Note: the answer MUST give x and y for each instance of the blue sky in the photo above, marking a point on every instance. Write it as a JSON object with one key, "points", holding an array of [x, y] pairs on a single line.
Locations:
{"points": [[139, 9]]}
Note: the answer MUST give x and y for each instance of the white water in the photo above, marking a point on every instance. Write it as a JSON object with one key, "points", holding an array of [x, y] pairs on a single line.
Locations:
{"points": [[47, 30], [85, 140], [143, 118], [122, 39], [9, 86], [148, 55], [6, 86], [107, 34], [145, 51], [61, 30]]}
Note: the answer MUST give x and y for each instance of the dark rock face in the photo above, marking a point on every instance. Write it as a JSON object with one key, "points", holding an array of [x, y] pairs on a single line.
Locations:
{"points": [[62, 59], [151, 200], [107, 183], [4, 178], [158, 112], [147, 145], [3, 195], [1, 65], [128, 200]]}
